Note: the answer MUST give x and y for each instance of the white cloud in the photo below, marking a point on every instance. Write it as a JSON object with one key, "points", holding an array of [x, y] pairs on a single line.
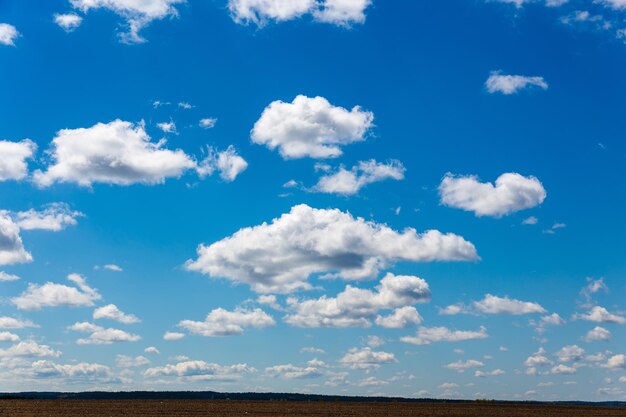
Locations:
{"points": [[601, 315], [171, 336], [356, 307], [8, 34], [462, 366], [200, 370], [82, 371], [9, 337], [111, 312], [538, 358], [374, 341], [593, 286], [563, 370], [281, 256], [597, 333], [13, 157], [101, 336], [13, 323], [11, 247], [614, 4], [492, 304], [152, 349], [54, 217], [208, 122], [185, 105], [342, 12], [167, 127], [372, 382], [400, 318], [572, 353], [350, 182], [57, 295], [511, 84], [314, 350], [512, 192], [6, 277], [229, 164], [220, 322], [366, 358], [495, 372], [310, 127], [68, 21], [113, 267], [28, 350], [137, 13], [428, 335], [124, 361], [290, 371], [615, 362], [114, 153], [530, 221]]}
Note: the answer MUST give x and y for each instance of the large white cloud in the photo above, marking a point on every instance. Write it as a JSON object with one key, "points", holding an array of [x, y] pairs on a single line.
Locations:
{"points": [[137, 13], [200, 370], [11, 247], [356, 307], [260, 12], [512, 192], [115, 153], [82, 371], [112, 312], [8, 34], [220, 322], [51, 294], [310, 127], [14, 157], [100, 335], [350, 182], [281, 256], [511, 84], [429, 335]]}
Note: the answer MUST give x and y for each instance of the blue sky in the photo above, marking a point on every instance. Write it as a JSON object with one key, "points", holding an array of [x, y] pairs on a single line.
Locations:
{"points": [[422, 199]]}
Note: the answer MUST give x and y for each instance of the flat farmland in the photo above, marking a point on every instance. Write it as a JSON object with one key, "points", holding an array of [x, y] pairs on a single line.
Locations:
{"points": [[175, 408]]}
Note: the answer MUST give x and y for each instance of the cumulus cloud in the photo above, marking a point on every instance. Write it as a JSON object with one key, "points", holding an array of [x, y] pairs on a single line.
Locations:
{"points": [[208, 122], [615, 362], [29, 350], [614, 4], [511, 84], [400, 318], [462, 366], [68, 21], [483, 374], [281, 256], [113, 153], [492, 304], [13, 323], [167, 127], [6, 277], [14, 157], [228, 163], [82, 371], [111, 312], [54, 217], [601, 315], [366, 359], [100, 335], [512, 192], [572, 353], [356, 307], [200, 370], [350, 182], [137, 13], [597, 334], [112, 267], [562, 370], [8, 34], [538, 358], [260, 12], [310, 127], [593, 287], [290, 371], [152, 349], [9, 337], [220, 322], [171, 336], [429, 335], [124, 361], [11, 247], [57, 295]]}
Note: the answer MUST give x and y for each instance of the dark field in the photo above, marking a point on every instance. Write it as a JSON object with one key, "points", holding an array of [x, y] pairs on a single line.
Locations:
{"points": [[175, 408]]}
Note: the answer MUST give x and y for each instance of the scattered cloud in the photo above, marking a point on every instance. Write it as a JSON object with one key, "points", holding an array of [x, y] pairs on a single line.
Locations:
{"points": [[290, 371], [228, 163], [350, 182], [220, 322], [111, 312], [511, 84], [51, 294], [14, 155], [310, 127], [54, 217], [8, 34], [462, 366], [124, 361], [6, 277], [68, 21], [366, 359], [429, 335], [281, 256], [493, 304], [100, 335], [597, 334], [208, 122], [601, 315], [167, 127], [201, 371], [171, 336], [13, 323], [11, 247], [512, 192], [400, 318]]}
